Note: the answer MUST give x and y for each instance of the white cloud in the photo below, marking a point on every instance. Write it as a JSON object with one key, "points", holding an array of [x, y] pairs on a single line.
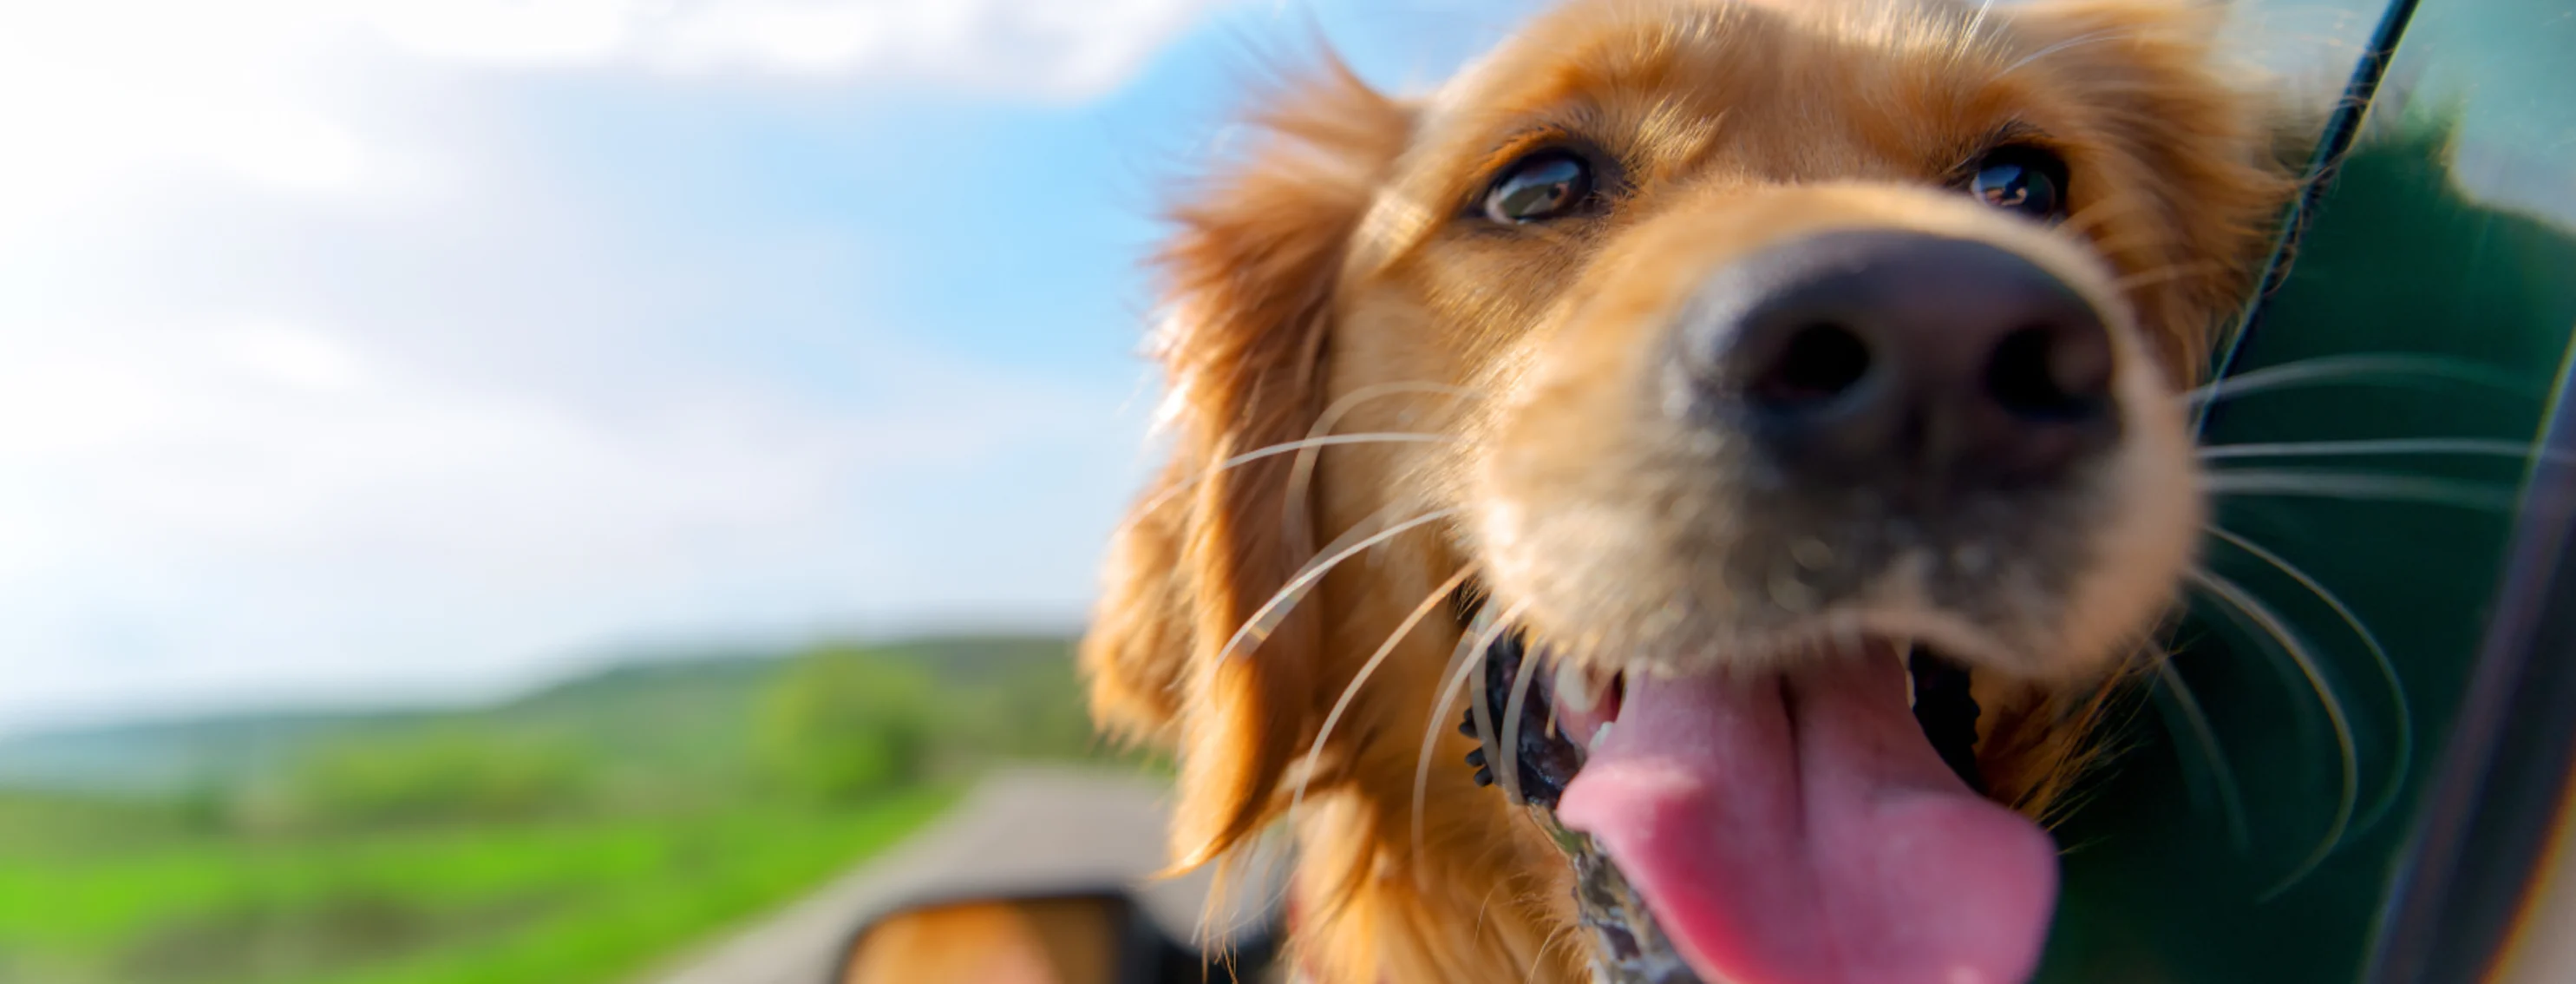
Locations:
{"points": [[321, 379], [1049, 48], [95, 91], [100, 94], [251, 506]]}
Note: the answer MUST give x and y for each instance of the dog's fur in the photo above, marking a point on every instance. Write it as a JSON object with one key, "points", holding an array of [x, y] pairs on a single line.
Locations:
{"points": [[1335, 267]]}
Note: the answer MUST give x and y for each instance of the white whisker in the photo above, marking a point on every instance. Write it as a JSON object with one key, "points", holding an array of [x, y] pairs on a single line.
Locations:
{"points": [[2462, 446], [1267, 618], [2379, 654], [1272, 451], [1343, 704], [1508, 772], [1302, 472], [2260, 616], [1465, 662], [2359, 486], [2231, 798], [2356, 368]]}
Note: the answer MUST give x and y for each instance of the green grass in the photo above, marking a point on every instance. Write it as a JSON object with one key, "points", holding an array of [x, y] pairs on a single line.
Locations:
{"points": [[581, 834], [144, 897]]}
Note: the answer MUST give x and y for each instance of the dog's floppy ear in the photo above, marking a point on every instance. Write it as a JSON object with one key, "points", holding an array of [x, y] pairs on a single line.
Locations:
{"points": [[1250, 275]]}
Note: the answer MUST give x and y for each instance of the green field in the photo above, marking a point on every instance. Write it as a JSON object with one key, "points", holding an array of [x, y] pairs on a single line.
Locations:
{"points": [[593, 900], [585, 833]]}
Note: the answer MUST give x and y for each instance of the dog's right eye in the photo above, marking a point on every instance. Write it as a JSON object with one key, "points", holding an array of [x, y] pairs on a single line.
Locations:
{"points": [[2020, 179], [1545, 185]]}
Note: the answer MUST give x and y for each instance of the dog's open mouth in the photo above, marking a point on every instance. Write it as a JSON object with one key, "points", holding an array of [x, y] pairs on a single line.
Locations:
{"points": [[1817, 827]]}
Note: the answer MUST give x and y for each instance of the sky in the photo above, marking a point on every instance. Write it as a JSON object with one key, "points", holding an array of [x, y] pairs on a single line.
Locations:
{"points": [[387, 351]]}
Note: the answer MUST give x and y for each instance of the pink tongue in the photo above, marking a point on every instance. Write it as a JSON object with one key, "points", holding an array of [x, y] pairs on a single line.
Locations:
{"points": [[1802, 831]]}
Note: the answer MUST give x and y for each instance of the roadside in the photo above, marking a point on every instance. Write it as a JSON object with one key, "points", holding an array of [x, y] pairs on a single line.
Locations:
{"points": [[1021, 831]]}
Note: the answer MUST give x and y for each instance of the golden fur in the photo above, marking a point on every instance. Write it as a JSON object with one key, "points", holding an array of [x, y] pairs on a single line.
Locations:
{"points": [[1325, 270]]}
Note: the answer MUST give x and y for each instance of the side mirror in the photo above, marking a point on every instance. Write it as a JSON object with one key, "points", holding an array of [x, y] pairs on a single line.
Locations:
{"points": [[1094, 938], [1047, 876]]}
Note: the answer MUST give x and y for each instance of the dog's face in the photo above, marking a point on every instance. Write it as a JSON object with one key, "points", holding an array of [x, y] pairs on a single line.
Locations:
{"points": [[1757, 365]]}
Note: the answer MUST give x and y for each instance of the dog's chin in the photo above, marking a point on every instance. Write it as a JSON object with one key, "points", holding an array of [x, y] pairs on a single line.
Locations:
{"points": [[1817, 825]]}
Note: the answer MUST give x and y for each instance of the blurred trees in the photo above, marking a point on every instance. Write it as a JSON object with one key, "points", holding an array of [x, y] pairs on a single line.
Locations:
{"points": [[428, 776], [842, 723], [831, 726], [834, 724]]}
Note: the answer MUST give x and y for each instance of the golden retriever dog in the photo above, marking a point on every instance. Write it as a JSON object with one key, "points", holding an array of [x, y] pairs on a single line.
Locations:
{"points": [[1749, 431]]}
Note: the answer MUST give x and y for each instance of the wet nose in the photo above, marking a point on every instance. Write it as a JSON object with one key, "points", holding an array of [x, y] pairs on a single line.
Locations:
{"points": [[1880, 356]]}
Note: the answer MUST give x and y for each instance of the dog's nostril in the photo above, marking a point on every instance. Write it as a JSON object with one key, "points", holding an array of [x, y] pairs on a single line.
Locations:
{"points": [[2048, 372], [1820, 362], [1903, 360]]}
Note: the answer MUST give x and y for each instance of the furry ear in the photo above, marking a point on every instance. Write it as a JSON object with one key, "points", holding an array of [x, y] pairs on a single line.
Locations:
{"points": [[1250, 276]]}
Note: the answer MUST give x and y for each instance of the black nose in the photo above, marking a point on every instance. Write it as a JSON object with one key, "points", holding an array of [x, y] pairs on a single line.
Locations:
{"points": [[1903, 358]]}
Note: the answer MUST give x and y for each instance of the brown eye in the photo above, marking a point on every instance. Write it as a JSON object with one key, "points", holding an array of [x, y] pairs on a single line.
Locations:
{"points": [[2027, 180], [1545, 185]]}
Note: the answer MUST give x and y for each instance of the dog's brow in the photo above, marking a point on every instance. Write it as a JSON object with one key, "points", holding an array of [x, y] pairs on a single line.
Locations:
{"points": [[2005, 134], [1517, 126], [1518, 142]]}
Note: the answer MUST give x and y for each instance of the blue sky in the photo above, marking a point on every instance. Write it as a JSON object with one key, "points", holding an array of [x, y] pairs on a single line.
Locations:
{"points": [[406, 350]]}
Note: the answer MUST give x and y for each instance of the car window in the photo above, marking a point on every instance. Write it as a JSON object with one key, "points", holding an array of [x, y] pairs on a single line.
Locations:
{"points": [[2368, 468]]}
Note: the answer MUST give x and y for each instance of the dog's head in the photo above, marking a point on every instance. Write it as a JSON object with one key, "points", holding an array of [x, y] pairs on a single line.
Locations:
{"points": [[1753, 363]]}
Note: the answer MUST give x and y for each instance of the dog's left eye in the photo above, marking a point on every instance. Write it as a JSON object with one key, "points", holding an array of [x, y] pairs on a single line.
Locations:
{"points": [[1542, 186], [2027, 180]]}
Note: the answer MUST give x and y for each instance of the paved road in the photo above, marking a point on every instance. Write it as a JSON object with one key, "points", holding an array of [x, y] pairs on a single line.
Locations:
{"points": [[1022, 831]]}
